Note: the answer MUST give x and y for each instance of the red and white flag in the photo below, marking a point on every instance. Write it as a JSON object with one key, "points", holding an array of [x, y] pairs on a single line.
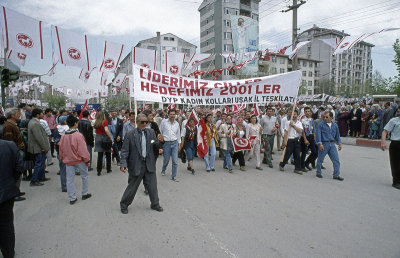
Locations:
{"points": [[112, 56], [144, 57], [17, 58], [85, 107], [25, 88], [103, 79], [35, 80], [195, 117], [14, 91], [171, 106], [196, 60], [146, 107], [104, 92], [23, 34], [95, 93], [87, 92], [72, 48], [173, 62], [85, 74], [332, 42], [347, 43], [93, 114], [252, 139], [42, 89], [240, 144], [255, 110], [78, 93], [119, 80], [236, 108], [293, 53], [69, 92], [202, 148]]}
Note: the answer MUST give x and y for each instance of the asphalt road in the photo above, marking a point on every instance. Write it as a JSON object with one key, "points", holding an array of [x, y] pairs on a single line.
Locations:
{"points": [[245, 214]]}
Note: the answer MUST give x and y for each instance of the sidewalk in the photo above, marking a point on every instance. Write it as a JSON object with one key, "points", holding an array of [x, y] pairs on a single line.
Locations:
{"points": [[365, 142]]}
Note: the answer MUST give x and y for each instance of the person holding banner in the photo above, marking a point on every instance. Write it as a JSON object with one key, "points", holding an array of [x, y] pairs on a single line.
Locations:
{"points": [[255, 129], [189, 142], [170, 131], [239, 155], [212, 143], [225, 132], [293, 131]]}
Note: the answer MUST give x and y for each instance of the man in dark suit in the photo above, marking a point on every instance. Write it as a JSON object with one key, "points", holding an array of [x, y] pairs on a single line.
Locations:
{"points": [[118, 125], [137, 157], [11, 170]]}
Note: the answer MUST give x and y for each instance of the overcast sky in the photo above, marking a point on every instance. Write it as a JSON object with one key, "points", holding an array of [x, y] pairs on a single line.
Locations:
{"points": [[128, 21]]}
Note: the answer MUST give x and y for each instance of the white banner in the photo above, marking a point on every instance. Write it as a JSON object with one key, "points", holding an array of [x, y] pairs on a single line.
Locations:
{"points": [[159, 87], [112, 55], [17, 58]]}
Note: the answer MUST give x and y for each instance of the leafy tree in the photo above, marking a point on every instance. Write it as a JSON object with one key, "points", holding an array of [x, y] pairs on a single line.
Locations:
{"points": [[55, 102], [325, 86], [117, 102], [396, 60]]}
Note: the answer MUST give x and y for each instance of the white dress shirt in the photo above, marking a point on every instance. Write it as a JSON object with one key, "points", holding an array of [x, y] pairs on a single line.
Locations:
{"points": [[292, 133], [170, 132]]}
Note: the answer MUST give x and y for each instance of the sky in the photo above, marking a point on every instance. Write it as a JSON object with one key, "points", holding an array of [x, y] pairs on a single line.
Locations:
{"points": [[129, 21]]}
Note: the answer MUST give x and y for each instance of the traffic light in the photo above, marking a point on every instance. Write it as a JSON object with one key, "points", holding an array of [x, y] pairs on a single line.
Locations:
{"points": [[8, 76]]}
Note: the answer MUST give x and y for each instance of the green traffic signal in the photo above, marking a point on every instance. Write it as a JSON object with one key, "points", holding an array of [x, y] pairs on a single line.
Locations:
{"points": [[8, 76], [13, 75]]}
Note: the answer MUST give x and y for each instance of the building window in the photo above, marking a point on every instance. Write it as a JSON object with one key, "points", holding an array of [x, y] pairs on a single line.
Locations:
{"points": [[304, 73], [282, 70], [305, 63], [309, 83], [309, 92], [163, 48], [166, 38], [273, 70], [227, 23], [228, 48], [303, 82], [282, 60], [186, 51], [310, 74], [273, 59], [310, 64], [227, 35]]}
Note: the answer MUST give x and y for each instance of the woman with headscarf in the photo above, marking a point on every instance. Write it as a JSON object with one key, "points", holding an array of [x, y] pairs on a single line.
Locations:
{"points": [[365, 116], [343, 121], [355, 120]]}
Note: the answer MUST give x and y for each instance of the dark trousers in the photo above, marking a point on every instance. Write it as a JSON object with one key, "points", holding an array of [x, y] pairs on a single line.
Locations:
{"points": [[100, 161], [293, 147], [7, 234], [304, 149], [38, 171], [116, 148], [239, 156], [150, 183], [52, 143], [394, 154]]}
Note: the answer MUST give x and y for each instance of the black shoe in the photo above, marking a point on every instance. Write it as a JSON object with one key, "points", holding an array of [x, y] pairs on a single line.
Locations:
{"points": [[313, 166], [46, 171], [146, 192], [193, 171], [338, 178], [323, 167], [397, 186], [53, 156], [292, 162], [264, 161], [77, 173], [19, 198], [73, 201], [25, 178], [304, 170], [86, 196], [270, 165], [308, 167], [225, 167], [64, 190], [21, 194], [109, 171], [319, 175], [189, 168], [90, 169], [36, 184], [213, 169], [208, 171], [157, 208], [58, 173], [50, 164], [45, 179], [124, 211], [98, 173]]}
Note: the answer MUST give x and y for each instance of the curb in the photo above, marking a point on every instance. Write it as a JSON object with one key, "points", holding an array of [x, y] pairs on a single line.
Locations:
{"points": [[362, 142]]}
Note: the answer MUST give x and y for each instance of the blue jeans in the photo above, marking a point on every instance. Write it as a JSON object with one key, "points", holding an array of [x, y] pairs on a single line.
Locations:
{"points": [[38, 172], [171, 149], [330, 149], [372, 134], [63, 176], [83, 169], [209, 159], [190, 151], [228, 159]]}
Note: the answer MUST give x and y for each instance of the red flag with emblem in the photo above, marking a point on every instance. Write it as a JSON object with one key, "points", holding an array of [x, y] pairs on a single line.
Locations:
{"points": [[195, 117], [172, 106], [202, 148], [255, 111], [85, 107], [240, 144], [93, 115]]}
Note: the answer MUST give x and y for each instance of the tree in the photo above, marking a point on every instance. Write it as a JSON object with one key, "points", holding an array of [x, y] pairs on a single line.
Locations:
{"points": [[55, 102], [118, 102], [325, 86], [381, 85], [396, 60]]}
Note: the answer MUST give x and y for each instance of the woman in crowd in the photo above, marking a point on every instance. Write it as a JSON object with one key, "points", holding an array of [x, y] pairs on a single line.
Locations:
{"points": [[355, 120], [189, 142], [343, 121], [225, 132], [103, 142], [365, 116], [212, 143], [255, 129], [239, 155]]}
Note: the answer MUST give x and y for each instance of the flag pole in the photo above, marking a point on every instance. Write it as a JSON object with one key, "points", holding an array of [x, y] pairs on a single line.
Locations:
{"points": [[135, 106]]}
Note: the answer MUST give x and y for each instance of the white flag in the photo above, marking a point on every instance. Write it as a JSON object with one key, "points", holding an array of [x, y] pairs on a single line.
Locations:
{"points": [[72, 48], [173, 62], [87, 92], [17, 58], [231, 57], [23, 34], [69, 92], [347, 43], [119, 80], [85, 74], [38, 102], [25, 88], [18, 85], [332, 42], [144, 57], [42, 89], [35, 80], [95, 93], [196, 60], [27, 82], [293, 53], [14, 91], [103, 79], [78, 93], [104, 92], [112, 55]]}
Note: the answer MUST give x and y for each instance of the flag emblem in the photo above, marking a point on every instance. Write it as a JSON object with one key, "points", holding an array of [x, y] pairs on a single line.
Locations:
{"points": [[145, 65], [74, 53], [24, 40], [174, 69], [109, 63], [21, 56]]}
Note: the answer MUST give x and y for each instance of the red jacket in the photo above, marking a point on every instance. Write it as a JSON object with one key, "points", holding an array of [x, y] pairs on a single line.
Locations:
{"points": [[73, 149]]}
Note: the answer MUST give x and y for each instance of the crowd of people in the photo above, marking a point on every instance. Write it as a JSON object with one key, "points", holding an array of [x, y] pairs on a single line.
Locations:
{"points": [[32, 139]]}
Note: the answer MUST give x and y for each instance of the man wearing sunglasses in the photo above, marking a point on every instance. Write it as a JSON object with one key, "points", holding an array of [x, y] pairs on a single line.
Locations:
{"points": [[327, 135], [137, 157]]}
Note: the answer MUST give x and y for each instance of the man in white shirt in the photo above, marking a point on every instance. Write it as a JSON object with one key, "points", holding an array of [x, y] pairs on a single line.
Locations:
{"points": [[293, 132], [171, 133]]}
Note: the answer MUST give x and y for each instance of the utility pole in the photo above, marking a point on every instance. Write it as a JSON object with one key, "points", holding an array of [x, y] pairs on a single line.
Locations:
{"points": [[294, 8]]}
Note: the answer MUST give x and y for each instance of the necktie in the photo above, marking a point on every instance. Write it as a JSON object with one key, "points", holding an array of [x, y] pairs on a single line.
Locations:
{"points": [[143, 145]]}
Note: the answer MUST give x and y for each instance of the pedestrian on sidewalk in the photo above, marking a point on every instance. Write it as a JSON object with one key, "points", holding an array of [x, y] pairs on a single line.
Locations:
{"points": [[74, 153]]}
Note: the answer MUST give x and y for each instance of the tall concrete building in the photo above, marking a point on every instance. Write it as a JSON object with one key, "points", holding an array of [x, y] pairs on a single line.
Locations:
{"points": [[161, 43], [349, 72], [216, 32]]}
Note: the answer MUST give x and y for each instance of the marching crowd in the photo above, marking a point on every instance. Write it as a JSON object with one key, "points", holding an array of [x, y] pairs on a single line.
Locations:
{"points": [[32, 139]]}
